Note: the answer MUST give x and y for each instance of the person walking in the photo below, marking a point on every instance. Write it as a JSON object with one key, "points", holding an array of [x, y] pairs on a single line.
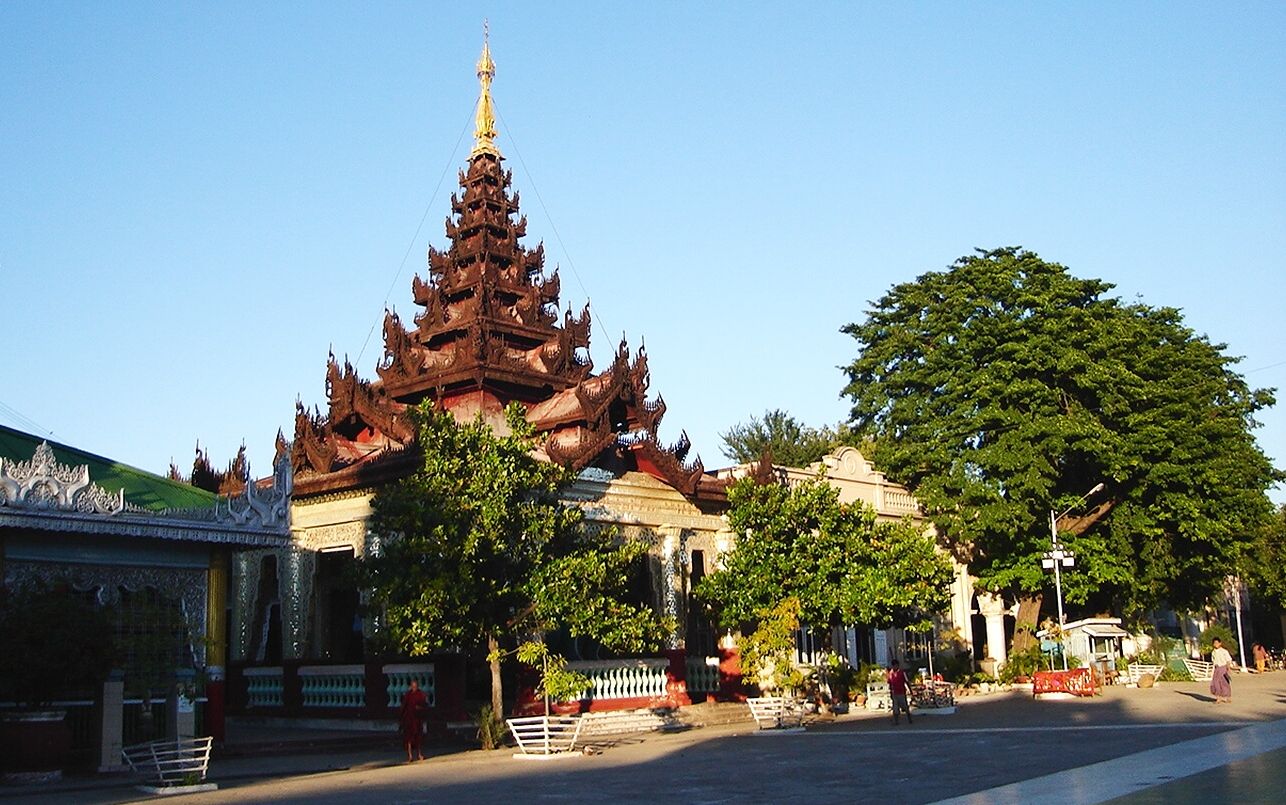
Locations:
{"points": [[412, 720], [1261, 657], [897, 691], [1221, 680]]}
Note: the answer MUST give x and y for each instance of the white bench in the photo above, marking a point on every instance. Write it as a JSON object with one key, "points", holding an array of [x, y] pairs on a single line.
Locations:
{"points": [[777, 713], [172, 763], [878, 696], [1200, 670], [1136, 669], [545, 736]]}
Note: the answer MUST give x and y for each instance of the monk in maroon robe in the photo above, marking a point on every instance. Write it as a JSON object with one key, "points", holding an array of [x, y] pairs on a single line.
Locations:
{"points": [[414, 703]]}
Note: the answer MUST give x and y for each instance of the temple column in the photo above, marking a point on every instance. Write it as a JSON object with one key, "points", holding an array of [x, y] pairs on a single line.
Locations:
{"points": [[674, 605], [730, 684], [216, 643], [111, 723], [672, 582], [296, 594], [992, 607]]}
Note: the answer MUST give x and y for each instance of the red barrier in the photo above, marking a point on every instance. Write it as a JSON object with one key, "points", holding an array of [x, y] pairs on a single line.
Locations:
{"points": [[1078, 682]]}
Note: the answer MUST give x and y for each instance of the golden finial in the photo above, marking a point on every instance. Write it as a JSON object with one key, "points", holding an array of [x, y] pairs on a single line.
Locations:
{"points": [[484, 122]]}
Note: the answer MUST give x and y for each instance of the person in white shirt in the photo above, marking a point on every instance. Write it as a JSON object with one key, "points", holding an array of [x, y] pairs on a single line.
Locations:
{"points": [[1221, 681]]}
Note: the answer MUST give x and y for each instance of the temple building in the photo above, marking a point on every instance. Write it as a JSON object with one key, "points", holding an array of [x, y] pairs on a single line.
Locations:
{"points": [[489, 332], [156, 550]]}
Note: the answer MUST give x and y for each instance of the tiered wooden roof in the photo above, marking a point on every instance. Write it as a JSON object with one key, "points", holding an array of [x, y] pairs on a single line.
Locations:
{"points": [[488, 334]]}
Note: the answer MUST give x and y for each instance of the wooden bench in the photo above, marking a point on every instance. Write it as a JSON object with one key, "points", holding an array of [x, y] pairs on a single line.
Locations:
{"points": [[1200, 670], [1078, 682], [1137, 669], [777, 713], [545, 736]]}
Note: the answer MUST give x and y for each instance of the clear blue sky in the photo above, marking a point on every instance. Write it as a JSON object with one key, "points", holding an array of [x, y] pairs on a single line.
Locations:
{"points": [[198, 200]]}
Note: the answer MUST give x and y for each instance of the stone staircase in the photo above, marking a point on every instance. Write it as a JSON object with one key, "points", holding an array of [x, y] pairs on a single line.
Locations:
{"points": [[624, 722]]}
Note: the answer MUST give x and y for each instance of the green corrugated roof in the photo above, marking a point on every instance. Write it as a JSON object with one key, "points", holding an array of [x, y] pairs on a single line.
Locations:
{"points": [[143, 489]]}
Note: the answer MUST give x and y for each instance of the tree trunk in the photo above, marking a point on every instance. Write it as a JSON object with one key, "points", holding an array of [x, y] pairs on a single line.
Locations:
{"points": [[497, 693], [1028, 615]]}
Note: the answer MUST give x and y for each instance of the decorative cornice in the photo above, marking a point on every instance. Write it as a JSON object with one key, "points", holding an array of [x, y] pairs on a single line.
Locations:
{"points": [[44, 484], [43, 494]]}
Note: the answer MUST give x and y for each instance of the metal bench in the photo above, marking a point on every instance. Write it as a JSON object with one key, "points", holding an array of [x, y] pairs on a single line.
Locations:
{"points": [[1200, 670], [777, 713], [170, 763], [545, 736]]}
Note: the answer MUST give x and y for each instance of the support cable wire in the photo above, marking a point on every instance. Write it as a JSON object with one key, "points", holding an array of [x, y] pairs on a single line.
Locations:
{"points": [[22, 420], [427, 208], [535, 189]]}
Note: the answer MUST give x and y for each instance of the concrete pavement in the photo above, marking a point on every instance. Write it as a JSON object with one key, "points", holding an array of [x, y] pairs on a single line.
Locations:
{"points": [[1127, 741]]}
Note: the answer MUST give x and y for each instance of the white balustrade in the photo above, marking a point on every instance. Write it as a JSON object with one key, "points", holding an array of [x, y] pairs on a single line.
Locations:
{"points": [[333, 685], [263, 686], [622, 679], [399, 677]]}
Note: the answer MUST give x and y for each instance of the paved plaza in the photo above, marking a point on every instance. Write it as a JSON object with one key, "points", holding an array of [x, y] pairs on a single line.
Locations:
{"points": [[1170, 743]]}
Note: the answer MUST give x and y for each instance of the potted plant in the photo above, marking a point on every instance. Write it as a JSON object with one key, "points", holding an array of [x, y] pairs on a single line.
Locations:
{"points": [[56, 643], [548, 734]]}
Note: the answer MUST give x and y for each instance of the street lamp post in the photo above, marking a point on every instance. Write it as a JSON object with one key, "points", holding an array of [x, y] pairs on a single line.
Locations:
{"points": [[1057, 558]]}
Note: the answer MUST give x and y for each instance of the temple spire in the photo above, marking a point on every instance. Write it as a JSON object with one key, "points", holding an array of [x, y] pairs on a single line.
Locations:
{"points": [[484, 124]]}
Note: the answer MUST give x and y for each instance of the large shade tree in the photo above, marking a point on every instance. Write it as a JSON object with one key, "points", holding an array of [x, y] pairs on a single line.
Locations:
{"points": [[481, 550], [1004, 387], [1263, 564], [835, 563]]}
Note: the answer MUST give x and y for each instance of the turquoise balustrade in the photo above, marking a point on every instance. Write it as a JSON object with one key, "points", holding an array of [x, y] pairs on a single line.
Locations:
{"points": [[263, 686], [333, 685], [703, 674], [399, 678]]}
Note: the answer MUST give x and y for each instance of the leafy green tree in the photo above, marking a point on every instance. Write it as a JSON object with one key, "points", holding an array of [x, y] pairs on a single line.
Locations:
{"points": [[840, 561], [481, 550], [789, 442], [1263, 563], [1003, 388]]}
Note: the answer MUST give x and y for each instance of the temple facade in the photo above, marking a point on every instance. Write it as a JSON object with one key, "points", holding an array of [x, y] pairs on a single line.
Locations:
{"points": [[157, 551]]}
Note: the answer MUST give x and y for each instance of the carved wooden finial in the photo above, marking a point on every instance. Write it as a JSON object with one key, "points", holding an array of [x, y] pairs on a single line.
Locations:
{"points": [[762, 471]]}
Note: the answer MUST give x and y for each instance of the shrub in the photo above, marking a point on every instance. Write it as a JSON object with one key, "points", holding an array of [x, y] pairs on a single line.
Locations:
{"points": [[1023, 663], [1219, 630], [491, 729], [955, 666], [1170, 674], [864, 674]]}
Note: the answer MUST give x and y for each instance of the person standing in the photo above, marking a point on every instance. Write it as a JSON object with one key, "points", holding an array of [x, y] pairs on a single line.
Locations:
{"points": [[1261, 657], [412, 717], [897, 691], [1221, 680]]}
